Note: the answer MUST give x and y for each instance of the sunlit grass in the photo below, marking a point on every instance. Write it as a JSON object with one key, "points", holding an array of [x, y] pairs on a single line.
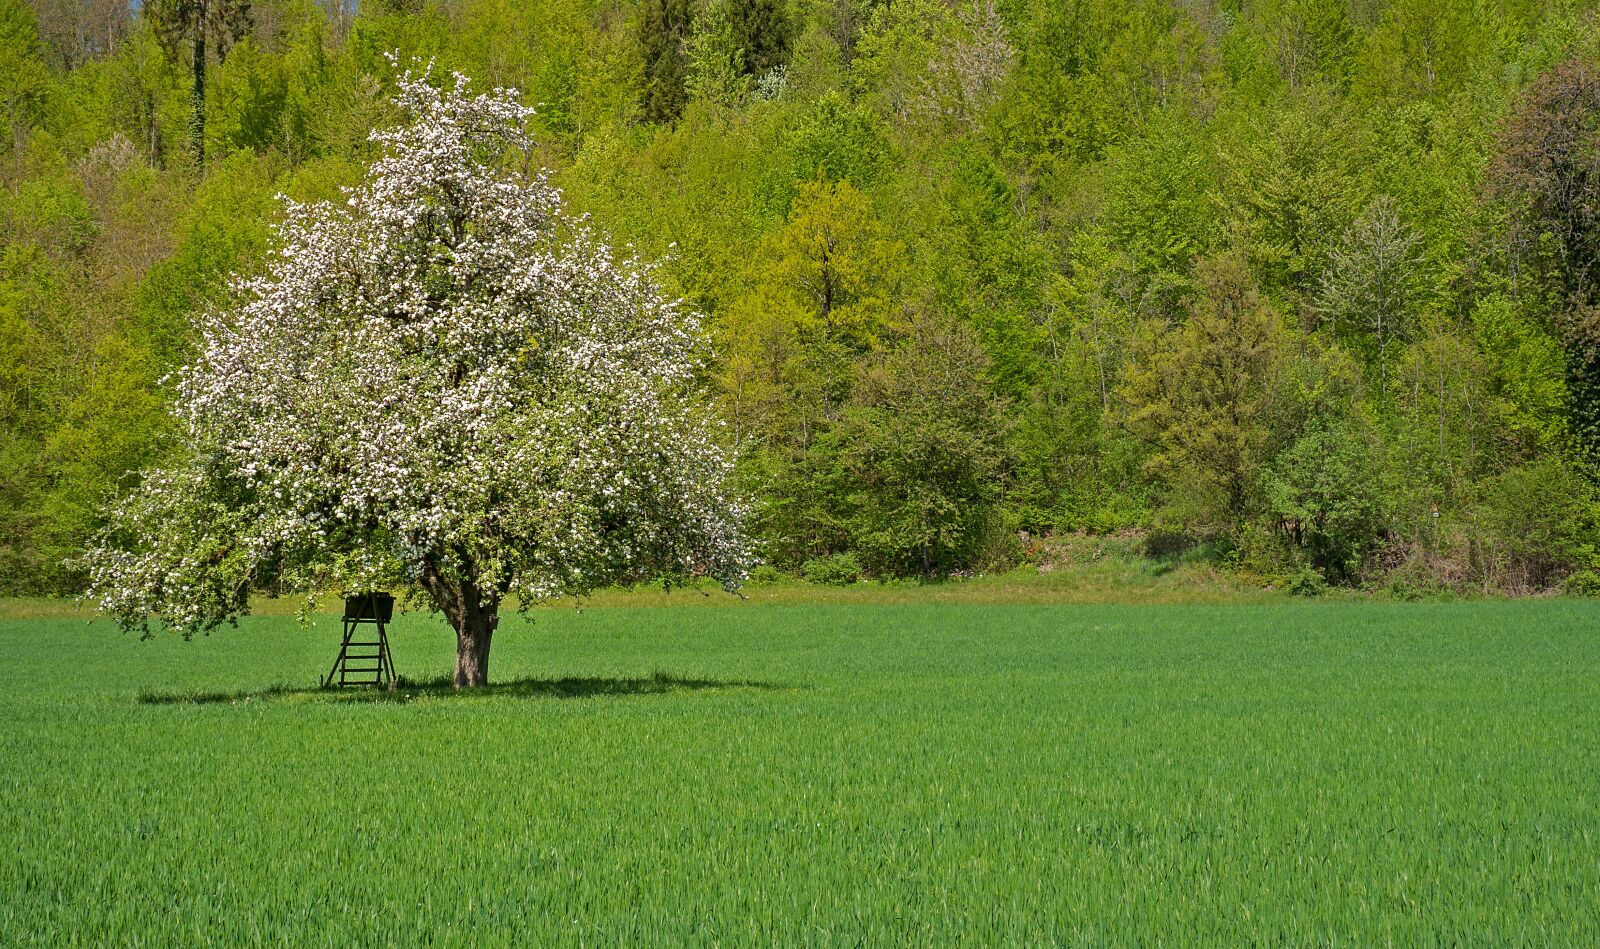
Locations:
{"points": [[1080, 570], [847, 773]]}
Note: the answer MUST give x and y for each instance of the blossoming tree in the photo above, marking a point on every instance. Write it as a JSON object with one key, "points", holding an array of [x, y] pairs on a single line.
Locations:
{"points": [[446, 385]]}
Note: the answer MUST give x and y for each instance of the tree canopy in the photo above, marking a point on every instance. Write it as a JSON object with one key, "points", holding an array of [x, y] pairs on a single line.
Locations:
{"points": [[443, 383]]}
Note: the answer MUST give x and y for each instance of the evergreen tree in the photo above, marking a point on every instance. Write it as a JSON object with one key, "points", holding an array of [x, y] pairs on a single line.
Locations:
{"points": [[761, 28], [664, 30]]}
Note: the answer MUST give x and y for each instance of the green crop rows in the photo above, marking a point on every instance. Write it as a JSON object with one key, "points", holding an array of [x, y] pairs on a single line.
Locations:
{"points": [[1287, 774]]}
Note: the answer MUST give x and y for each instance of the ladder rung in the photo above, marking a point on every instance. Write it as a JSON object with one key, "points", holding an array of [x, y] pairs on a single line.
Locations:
{"points": [[362, 668]]}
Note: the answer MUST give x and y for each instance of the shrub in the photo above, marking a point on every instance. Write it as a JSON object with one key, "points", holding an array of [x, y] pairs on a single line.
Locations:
{"points": [[1584, 583], [1419, 576], [1003, 544], [836, 570], [764, 574], [1323, 493], [1305, 582], [1534, 525]]}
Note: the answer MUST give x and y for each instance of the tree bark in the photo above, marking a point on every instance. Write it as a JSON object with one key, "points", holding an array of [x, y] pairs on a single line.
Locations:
{"points": [[473, 614], [197, 103], [472, 648], [474, 621]]}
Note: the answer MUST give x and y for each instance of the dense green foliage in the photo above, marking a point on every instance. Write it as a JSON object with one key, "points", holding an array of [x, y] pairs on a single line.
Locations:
{"points": [[1293, 774], [1315, 285]]}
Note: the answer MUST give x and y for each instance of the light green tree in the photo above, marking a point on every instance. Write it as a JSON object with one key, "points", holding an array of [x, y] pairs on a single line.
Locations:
{"points": [[716, 66], [24, 82], [1370, 286], [1214, 399], [919, 455]]}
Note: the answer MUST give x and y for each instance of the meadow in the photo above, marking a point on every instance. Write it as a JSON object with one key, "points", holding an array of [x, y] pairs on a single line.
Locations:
{"points": [[825, 773]]}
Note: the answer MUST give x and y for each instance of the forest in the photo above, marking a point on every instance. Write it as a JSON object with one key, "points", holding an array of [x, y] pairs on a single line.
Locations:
{"points": [[1307, 288]]}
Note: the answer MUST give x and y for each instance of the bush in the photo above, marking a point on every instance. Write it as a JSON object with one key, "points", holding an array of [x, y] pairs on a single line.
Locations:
{"points": [[1534, 526], [1162, 542], [1306, 582], [1418, 577], [835, 571], [763, 574], [919, 455], [1323, 494], [1584, 583], [1003, 544]]}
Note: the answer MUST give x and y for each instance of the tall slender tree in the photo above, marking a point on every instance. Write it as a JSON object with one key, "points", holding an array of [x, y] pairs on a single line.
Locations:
{"points": [[197, 28], [664, 30], [1370, 285], [23, 79]]}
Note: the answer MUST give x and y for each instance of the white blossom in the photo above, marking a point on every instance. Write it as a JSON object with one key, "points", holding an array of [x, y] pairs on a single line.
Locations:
{"points": [[444, 379]]}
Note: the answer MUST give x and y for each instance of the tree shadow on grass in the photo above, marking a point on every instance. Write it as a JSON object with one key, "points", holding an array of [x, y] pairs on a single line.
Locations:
{"points": [[406, 690]]}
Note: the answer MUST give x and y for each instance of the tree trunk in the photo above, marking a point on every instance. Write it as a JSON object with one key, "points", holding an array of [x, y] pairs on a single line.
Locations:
{"points": [[472, 647], [473, 613], [197, 113]]}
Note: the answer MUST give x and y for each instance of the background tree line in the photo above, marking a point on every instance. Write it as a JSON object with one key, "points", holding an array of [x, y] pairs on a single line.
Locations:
{"points": [[1312, 285]]}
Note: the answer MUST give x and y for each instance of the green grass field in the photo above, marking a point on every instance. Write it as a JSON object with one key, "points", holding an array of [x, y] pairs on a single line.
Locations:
{"points": [[832, 774]]}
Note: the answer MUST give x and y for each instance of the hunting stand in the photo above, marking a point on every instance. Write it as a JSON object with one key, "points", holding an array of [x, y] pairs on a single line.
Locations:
{"points": [[375, 667]]}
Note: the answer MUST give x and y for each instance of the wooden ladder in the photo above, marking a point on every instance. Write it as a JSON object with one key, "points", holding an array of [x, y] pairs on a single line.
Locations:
{"points": [[372, 663]]}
